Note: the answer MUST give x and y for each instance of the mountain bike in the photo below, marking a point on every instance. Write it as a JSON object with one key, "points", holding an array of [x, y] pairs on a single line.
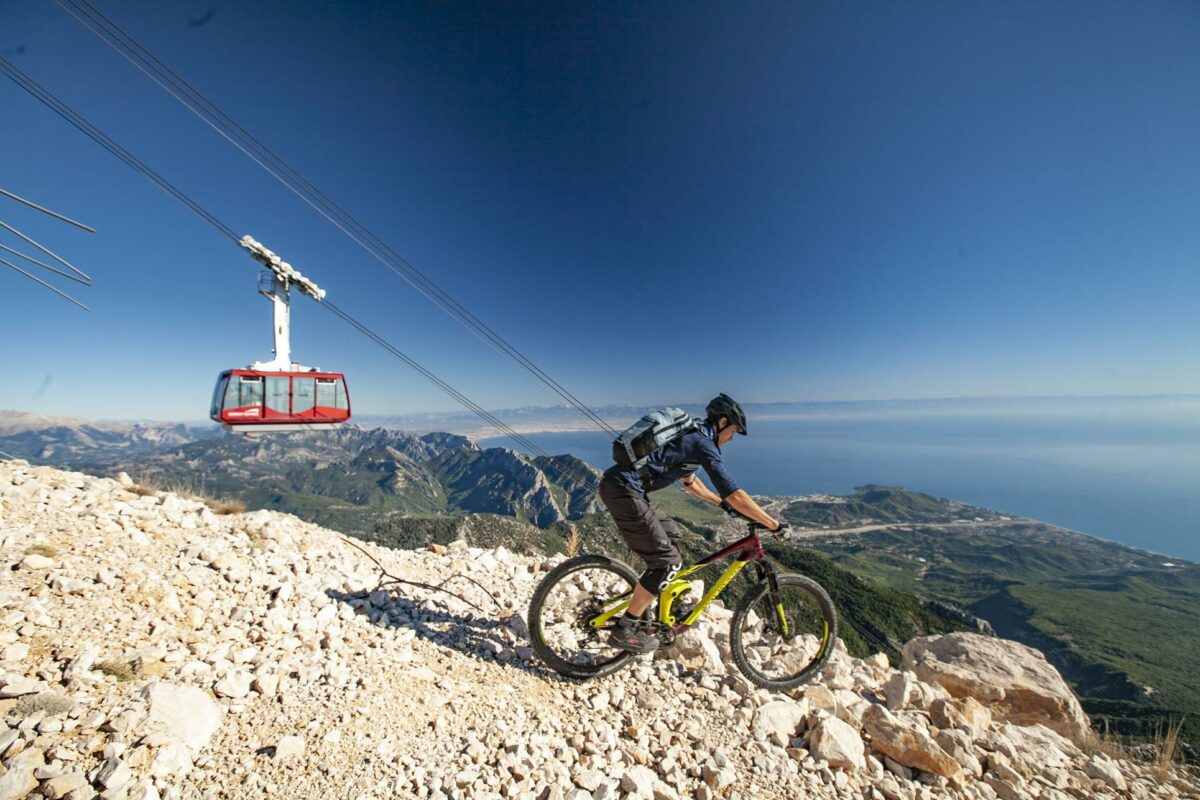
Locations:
{"points": [[781, 633]]}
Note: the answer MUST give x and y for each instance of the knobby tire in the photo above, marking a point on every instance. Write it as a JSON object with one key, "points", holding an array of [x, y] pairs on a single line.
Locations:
{"points": [[819, 598], [536, 606]]}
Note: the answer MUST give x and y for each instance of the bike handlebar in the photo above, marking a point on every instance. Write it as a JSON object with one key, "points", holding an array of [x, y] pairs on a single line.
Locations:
{"points": [[755, 525]]}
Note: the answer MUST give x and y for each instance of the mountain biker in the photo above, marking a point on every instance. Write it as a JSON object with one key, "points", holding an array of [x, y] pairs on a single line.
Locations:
{"points": [[652, 534]]}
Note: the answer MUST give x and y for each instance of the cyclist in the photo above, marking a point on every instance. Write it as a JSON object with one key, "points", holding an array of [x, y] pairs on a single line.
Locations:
{"points": [[648, 531]]}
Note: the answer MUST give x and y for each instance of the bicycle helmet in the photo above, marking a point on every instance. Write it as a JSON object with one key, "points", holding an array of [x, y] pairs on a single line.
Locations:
{"points": [[725, 406]]}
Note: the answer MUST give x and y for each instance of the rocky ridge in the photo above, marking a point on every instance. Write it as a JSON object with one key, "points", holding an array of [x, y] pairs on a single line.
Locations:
{"points": [[153, 649]]}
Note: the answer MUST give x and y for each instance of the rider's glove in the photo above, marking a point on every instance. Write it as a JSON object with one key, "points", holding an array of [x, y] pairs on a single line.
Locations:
{"points": [[783, 528], [728, 509]]}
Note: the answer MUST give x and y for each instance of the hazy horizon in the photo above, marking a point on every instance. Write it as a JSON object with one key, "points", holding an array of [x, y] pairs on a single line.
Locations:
{"points": [[584, 424]]}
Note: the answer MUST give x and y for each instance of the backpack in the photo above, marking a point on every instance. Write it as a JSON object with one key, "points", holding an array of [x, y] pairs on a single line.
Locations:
{"points": [[633, 448]]}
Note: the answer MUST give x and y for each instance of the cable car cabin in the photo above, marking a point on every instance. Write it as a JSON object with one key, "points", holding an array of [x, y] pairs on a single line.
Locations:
{"points": [[251, 401]]}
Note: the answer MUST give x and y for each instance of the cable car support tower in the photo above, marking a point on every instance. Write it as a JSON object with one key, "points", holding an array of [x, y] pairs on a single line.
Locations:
{"points": [[280, 394], [274, 284]]}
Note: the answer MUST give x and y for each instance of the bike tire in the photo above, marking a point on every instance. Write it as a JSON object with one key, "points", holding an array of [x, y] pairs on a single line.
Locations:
{"points": [[815, 596], [537, 604]]}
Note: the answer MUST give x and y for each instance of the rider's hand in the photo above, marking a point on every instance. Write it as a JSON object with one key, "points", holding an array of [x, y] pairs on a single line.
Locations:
{"points": [[783, 528]]}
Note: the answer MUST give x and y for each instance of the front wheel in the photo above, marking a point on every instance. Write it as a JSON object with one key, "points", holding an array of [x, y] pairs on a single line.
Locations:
{"points": [[573, 609], [779, 638]]}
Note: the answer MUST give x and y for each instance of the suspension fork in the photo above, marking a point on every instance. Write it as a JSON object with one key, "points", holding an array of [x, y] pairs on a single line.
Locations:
{"points": [[766, 572]]}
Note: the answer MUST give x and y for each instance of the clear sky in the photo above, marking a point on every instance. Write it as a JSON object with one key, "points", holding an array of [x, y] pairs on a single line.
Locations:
{"points": [[654, 201]]}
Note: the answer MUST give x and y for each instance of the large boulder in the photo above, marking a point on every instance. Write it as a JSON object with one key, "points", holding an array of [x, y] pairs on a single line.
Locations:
{"points": [[1013, 680]]}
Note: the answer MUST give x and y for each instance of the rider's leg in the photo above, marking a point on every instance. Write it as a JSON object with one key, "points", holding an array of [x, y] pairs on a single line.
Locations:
{"points": [[649, 533], [641, 598]]}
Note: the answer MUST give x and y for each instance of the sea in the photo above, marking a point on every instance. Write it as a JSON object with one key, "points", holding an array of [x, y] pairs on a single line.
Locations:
{"points": [[1122, 469]]}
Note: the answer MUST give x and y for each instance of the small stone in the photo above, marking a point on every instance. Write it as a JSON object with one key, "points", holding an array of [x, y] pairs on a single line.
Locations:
{"points": [[266, 685], [114, 773], [235, 684], [21, 686], [639, 780], [35, 562], [15, 652], [288, 747]]}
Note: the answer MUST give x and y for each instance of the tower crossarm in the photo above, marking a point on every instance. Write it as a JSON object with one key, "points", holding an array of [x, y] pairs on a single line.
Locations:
{"points": [[281, 268]]}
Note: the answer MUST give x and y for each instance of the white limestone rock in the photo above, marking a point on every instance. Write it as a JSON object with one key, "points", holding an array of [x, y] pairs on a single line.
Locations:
{"points": [[907, 742], [187, 714], [1013, 680], [35, 562], [836, 742], [289, 747], [780, 719]]}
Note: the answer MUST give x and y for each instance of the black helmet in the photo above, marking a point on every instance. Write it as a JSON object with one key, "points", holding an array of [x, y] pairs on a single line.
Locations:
{"points": [[725, 406]]}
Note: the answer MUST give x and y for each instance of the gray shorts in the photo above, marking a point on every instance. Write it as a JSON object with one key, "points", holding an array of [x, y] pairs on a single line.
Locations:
{"points": [[646, 529]]}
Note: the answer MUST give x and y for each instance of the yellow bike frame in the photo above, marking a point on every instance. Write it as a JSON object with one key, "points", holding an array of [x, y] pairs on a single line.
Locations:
{"points": [[749, 548]]}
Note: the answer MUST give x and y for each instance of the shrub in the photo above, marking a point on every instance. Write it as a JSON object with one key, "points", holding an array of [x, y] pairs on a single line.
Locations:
{"points": [[49, 702], [119, 670], [1166, 747], [41, 549], [225, 506]]}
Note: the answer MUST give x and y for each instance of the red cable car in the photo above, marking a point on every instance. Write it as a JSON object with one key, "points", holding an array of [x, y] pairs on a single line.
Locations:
{"points": [[251, 401], [279, 395]]}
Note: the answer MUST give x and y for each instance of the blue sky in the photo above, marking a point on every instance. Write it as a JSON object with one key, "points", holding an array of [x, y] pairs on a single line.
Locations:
{"points": [[655, 202]]}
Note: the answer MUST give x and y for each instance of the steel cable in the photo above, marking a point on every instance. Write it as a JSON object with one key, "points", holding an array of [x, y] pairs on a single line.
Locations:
{"points": [[171, 82], [105, 141]]}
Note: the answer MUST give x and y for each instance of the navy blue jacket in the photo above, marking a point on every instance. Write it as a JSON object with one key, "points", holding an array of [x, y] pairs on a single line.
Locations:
{"points": [[680, 459]]}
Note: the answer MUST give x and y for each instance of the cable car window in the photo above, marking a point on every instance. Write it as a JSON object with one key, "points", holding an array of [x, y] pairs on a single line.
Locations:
{"points": [[303, 395], [326, 392], [277, 394], [218, 396], [243, 391], [341, 401]]}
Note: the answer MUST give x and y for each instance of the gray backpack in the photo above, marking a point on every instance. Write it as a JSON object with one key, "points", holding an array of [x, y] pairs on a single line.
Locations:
{"points": [[660, 427]]}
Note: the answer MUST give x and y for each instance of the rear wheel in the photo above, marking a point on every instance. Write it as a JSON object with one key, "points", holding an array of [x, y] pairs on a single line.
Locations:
{"points": [[780, 638], [562, 611]]}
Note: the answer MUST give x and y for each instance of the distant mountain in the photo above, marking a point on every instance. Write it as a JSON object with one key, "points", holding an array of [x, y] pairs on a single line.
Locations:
{"points": [[70, 441], [355, 479]]}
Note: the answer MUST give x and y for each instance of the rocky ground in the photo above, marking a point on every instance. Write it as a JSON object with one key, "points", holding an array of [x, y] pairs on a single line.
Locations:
{"points": [[153, 649]]}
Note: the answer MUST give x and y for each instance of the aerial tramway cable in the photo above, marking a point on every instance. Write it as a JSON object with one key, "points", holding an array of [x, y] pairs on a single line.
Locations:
{"points": [[141, 58], [51, 287], [91, 131], [43, 265], [86, 278], [45, 210]]}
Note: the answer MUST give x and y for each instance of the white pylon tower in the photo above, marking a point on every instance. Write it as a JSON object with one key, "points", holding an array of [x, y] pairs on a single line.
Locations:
{"points": [[281, 278]]}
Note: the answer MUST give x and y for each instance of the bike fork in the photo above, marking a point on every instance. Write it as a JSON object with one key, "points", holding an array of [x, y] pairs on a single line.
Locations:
{"points": [[778, 620]]}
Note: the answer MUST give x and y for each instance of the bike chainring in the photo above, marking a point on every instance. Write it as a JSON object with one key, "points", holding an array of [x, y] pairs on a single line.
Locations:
{"points": [[664, 632]]}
